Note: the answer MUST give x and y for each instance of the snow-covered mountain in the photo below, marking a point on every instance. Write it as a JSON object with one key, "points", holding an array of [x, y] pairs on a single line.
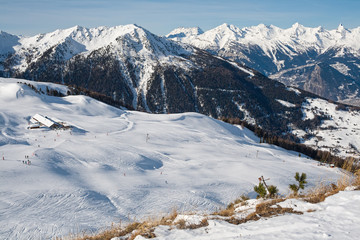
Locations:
{"points": [[115, 164], [130, 52], [150, 73], [325, 62]]}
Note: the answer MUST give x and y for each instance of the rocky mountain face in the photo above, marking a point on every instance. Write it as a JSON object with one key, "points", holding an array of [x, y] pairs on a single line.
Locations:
{"points": [[314, 59]]}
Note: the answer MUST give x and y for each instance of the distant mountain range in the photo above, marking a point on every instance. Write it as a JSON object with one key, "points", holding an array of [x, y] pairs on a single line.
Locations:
{"points": [[314, 59], [154, 74]]}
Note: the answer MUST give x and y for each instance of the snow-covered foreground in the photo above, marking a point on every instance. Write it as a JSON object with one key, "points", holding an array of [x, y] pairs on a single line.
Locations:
{"points": [[335, 218], [115, 164]]}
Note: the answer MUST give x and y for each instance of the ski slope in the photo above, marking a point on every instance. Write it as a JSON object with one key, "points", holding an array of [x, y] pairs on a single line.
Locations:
{"points": [[116, 164]]}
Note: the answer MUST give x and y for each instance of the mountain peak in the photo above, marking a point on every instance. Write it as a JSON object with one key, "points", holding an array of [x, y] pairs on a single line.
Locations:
{"points": [[77, 28], [7, 42], [341, 28], [297, 25], [185, 32], [227, 26], [262, 25]]}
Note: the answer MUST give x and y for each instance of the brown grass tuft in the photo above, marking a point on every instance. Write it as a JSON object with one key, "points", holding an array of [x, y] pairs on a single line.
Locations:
{"points": [[230, 209], [181, 224], [357, 180], [145, 229], [321, 192]]}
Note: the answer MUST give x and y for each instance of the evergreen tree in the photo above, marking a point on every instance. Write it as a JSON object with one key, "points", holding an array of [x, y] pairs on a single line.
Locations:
{"points": [[301, 179], [260, 189], [273, 190]]}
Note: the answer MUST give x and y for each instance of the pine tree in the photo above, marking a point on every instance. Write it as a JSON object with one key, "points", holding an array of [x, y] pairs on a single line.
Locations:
{"points": [[260, 189], [273, 190], [301, 182]]}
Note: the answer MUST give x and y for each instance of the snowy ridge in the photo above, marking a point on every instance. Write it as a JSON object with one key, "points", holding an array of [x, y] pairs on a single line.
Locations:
{"points": [[271, 38], [130, 44], [184, 32], [78, 40], [114, 163]]}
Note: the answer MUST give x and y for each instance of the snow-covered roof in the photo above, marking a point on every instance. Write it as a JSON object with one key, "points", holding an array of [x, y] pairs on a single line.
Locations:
{"points": [[44, 120]]}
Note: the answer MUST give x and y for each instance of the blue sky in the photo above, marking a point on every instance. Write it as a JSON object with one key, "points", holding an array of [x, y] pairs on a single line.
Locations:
{"points": [[30, 17]]}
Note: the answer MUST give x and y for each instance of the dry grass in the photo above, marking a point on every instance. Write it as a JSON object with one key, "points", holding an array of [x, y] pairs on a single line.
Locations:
{"points": [[357, 180], [230, 209], [319, 193], [144, 228], [181, 224], [322, 191], [264, 209]]}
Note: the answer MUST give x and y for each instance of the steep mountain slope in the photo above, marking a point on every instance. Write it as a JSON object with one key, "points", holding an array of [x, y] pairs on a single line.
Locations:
{"points": [[298, 56], [115, 164]]}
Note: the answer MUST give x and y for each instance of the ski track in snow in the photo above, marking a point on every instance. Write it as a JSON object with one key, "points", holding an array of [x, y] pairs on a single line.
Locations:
{"points": [[115, 165]]}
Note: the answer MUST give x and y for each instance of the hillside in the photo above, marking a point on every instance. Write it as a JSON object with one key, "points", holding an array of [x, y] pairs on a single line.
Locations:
{"points": [[116, 164], [325, 62]]}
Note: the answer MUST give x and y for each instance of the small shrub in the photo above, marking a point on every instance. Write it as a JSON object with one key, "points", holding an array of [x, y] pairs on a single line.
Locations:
{"points": [[260, 189], [273, 190]]}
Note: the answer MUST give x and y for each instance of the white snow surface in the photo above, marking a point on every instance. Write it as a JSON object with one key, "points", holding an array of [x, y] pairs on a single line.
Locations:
{"points": [[335, 218], [286, 103], [114, 164]]}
